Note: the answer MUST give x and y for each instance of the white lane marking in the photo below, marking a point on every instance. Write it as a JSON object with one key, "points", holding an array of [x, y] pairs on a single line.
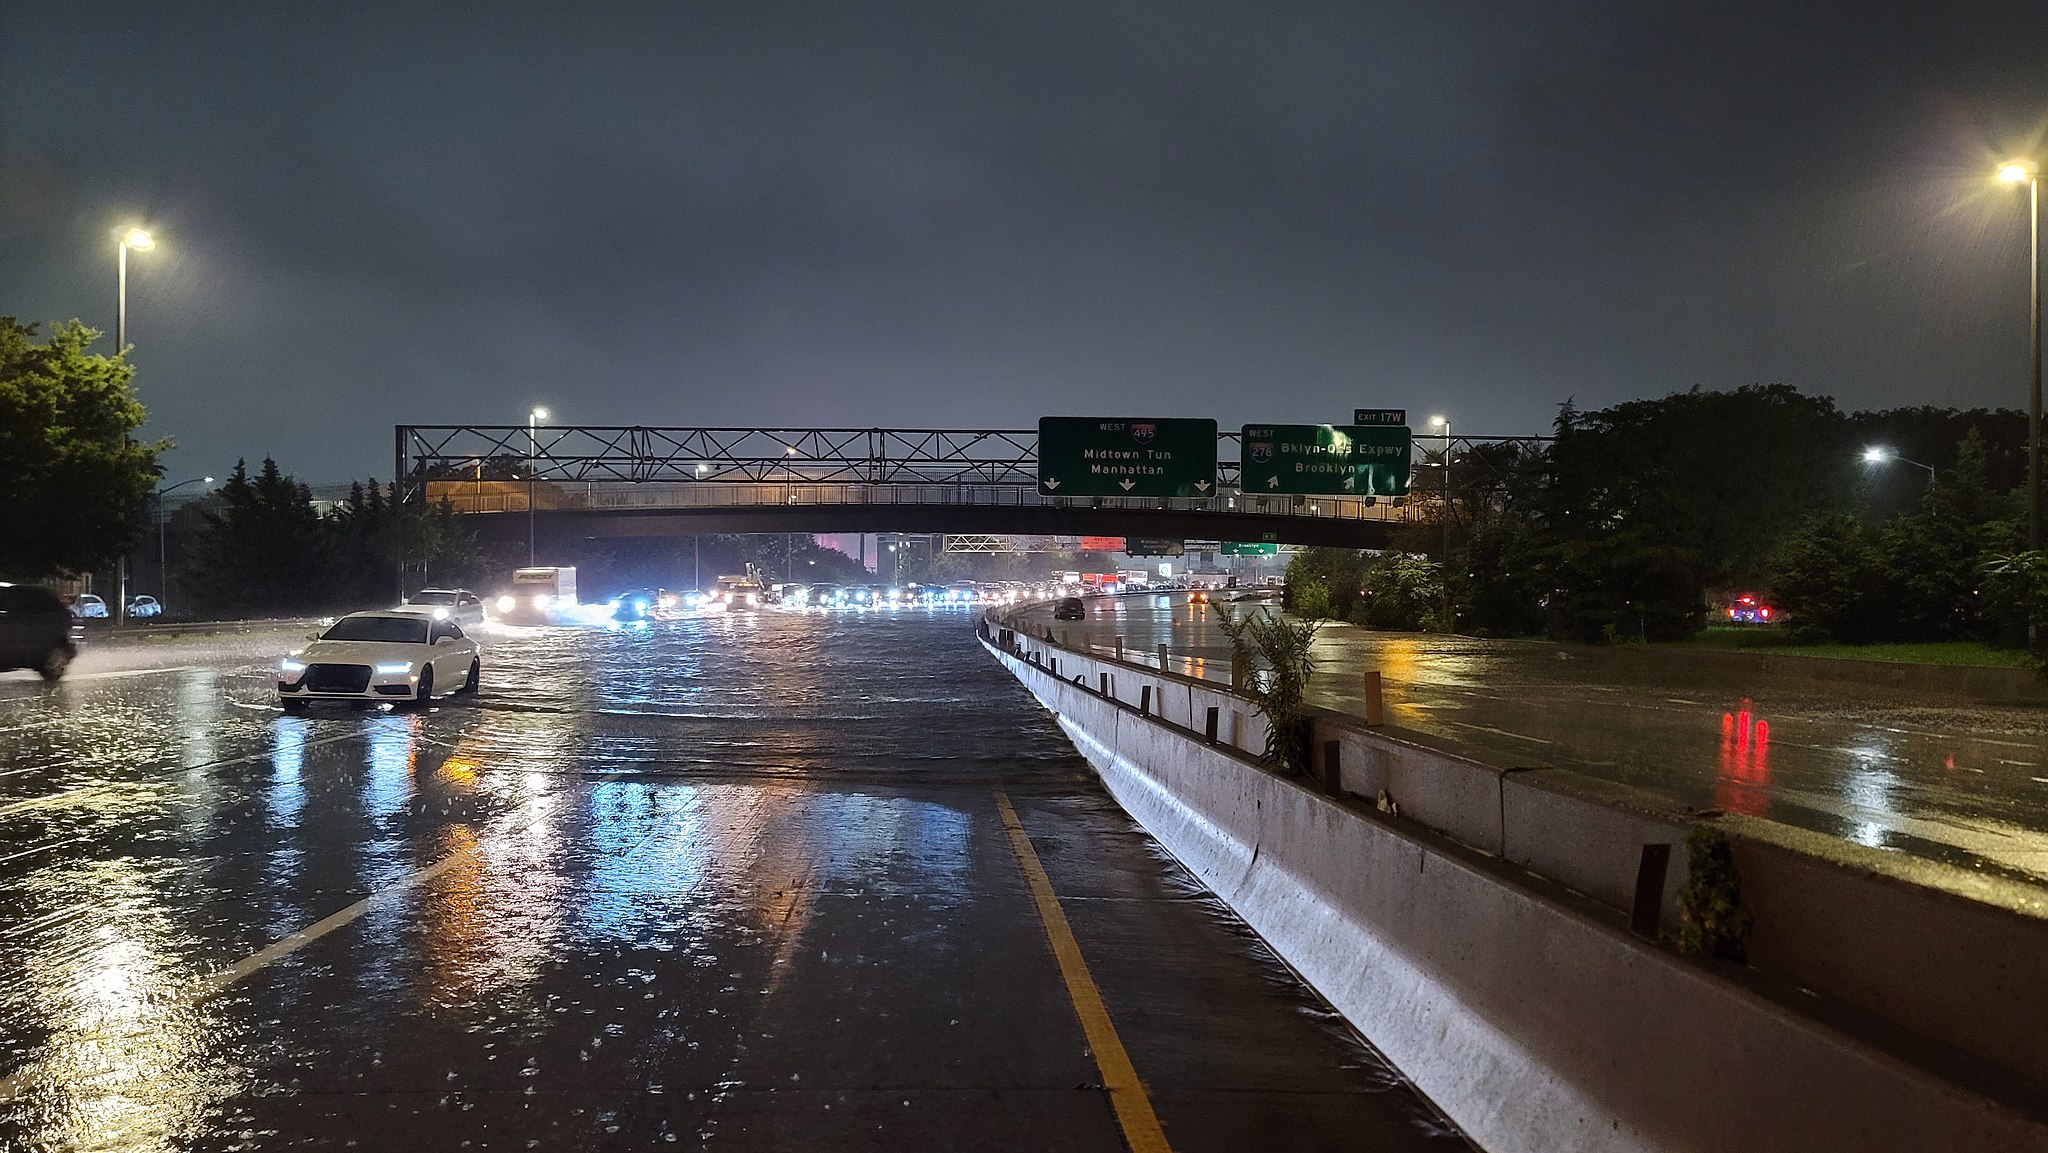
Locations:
{"points": [[39, 849], [214, 983], [10, 1085], [108, 676], [206, 766], [1500, 732]]}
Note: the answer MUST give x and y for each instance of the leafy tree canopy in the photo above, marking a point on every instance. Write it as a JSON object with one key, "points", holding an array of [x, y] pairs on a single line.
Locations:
{"points": [[73, 481]]}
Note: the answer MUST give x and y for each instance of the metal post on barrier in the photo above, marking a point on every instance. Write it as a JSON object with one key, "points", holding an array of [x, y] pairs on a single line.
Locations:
{"points": [[1105, 684], [1145, 699], [1055, 666], [1375, 709], [1649, 899], [1209, 726], [1333, 772], [1162, 658], [1237, 673]]}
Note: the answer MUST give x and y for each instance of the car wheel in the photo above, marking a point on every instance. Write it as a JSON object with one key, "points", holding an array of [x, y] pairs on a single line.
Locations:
{"points": [[424, 695], [476, 673], [54, 663], [293, 706]]}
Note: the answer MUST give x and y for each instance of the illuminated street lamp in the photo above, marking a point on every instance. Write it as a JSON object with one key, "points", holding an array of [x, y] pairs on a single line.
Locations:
{"points": [[141, 241], [533, 418], [163, 520], [2028, 173], [1881, 454], [1443, 425]]}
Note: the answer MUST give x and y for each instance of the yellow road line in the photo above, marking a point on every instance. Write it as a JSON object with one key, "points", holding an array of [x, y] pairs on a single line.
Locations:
{"points": [[1126, 1092]]}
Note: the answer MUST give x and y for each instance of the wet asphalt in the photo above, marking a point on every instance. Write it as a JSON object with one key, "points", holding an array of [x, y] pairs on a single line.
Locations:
{"points": [[735, 882], [1966, 784]]}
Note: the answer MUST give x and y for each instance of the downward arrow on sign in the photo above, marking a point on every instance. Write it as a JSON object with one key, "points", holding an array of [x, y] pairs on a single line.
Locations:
{"points": [[1126, 484], [1201, 486], [1052, 484]]}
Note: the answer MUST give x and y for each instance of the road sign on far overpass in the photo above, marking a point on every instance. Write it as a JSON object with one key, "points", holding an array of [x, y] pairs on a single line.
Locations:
{"points": [[1116, 456], [1326, 459]]}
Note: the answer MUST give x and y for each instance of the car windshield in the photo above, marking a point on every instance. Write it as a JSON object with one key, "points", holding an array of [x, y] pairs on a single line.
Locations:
{"points": [[425, 597], [399, 630]]}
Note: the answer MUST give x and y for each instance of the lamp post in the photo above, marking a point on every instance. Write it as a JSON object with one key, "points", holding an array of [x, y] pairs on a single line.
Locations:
{"points": [[141, 241], [533, 418], [163, 520], [2028, 173], [1444, 574], [1879, 454]]}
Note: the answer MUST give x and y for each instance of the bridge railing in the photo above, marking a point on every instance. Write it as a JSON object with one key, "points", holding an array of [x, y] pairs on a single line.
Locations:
{"points": [[515, 496]]}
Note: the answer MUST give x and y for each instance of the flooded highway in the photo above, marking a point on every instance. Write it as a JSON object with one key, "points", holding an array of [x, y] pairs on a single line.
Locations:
{"points": [[758, 881], [1961, 783]]}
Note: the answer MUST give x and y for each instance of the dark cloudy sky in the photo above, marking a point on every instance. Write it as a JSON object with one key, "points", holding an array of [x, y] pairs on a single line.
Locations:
{"points": [[966, 214]]}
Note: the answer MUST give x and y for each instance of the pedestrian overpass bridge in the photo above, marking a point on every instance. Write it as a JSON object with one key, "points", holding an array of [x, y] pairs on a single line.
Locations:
{"points": [[635, 481]]}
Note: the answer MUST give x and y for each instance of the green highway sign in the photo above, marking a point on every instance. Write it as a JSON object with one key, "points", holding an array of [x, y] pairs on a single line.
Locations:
{"points": [[1325, 460], [1126, 456], [1239, 548]]}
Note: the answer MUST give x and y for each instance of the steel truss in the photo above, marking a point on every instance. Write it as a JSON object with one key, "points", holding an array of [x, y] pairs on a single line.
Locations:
{"points": [[984, 543], [638, 454]]}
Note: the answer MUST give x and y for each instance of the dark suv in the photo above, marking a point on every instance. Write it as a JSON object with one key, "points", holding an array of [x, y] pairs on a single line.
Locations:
{"points": [[36, 631], [1070, 609]]}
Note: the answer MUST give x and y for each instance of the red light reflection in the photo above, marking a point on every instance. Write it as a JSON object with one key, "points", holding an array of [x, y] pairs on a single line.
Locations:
{"points": [[1745, 771]]}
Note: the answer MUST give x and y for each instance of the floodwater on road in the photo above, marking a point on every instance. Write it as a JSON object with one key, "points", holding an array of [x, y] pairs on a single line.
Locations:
{"points": [[1965, 784], [730, 882]]}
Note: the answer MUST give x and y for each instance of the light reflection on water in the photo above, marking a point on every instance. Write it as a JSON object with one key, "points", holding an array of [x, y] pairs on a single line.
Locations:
{"points": [[614, 788], [1908, 772]]}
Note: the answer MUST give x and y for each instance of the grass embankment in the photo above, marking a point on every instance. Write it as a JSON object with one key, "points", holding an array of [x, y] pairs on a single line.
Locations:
{"points": [[1768, 638]]}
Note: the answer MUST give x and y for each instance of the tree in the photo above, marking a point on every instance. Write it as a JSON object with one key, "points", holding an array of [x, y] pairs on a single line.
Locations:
{"points": [[1402, 591], [1339, 572], [1830, 581], [1651, 503], [73, 481], [263, 548]]}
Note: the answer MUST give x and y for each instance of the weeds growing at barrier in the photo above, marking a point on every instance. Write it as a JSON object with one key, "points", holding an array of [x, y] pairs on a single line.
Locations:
{"points": [[1711, 919], [1279, 689]]}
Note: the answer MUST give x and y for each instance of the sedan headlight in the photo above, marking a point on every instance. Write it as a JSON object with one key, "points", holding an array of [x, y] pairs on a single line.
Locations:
{"points": [[507, 604], [289, 665], [542, 601], [394, 668]]}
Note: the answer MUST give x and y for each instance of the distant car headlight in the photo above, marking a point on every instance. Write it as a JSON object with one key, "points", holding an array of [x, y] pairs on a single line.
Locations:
{"points": [[394, 668], [289, 665], [507, 604], [693, 600], [543, 600], [440, 614]]}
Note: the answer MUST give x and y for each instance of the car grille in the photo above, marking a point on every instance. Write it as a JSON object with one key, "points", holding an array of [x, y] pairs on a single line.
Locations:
{"points": [[337, 678]]}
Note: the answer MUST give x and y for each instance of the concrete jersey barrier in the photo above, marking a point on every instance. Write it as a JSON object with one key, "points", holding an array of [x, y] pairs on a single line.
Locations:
{"points": [[1524, 1009]]}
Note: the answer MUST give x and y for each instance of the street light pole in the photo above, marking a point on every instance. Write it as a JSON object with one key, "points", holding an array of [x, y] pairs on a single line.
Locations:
{"points": [[2034, 351], [1444, 571], [163, 520], [2029, 173], [138, 239], [533, 419]]}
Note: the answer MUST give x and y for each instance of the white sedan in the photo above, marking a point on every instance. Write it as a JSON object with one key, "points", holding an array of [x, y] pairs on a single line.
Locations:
{"points": [[463, 607], [381, 656]]}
